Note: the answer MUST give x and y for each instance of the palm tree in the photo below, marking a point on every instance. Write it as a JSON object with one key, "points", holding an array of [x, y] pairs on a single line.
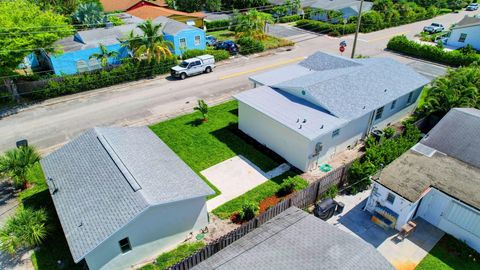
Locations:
{"points": [[17, 162], [151, 45], [104, 55], [252, 24], [202, 107], [26, 229]]}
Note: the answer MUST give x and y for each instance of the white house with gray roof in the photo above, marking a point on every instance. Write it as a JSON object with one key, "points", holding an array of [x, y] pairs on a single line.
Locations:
{"points": [[309, 112], [437, 180], [465, 32], [122, 196]]}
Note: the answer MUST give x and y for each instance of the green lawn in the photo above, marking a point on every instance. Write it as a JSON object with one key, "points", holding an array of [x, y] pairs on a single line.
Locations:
{"points": [[204, 144], [257, 194], [450, 253], [174, 256], [270, 43]]}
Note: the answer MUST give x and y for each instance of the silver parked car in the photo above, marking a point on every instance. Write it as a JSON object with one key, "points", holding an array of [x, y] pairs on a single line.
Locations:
{"points": [[193, 66]]}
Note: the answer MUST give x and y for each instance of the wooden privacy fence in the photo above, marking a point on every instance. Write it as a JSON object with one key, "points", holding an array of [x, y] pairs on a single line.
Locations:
{"points": [[300, 199]]}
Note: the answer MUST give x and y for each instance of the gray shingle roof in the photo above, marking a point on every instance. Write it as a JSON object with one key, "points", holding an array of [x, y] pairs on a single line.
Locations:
{"points": [[468, 21], [321, 61], [297, 240], [457, 135], [108, 176], [287, 109], [281, 74], [355, 90], [172, 27]]}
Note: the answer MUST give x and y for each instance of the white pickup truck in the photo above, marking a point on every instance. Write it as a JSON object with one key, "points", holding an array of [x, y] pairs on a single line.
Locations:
{"points": [[193, 66]]}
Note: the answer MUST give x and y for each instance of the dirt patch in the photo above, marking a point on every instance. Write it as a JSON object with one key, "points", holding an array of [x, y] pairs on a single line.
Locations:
{"points": [[268, 202], [218, 227]]}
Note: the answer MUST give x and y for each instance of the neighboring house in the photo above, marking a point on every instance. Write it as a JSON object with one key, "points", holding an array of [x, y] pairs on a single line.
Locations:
{"points": [[77, 49], [465, 32], [437, 180], [347, 8], [295, 239], [326, 104], [153, 12], [122, 196], [124, 5]]}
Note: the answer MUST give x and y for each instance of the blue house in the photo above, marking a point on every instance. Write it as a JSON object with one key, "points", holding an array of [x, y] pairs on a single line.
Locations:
{"points": [[77, 49]]}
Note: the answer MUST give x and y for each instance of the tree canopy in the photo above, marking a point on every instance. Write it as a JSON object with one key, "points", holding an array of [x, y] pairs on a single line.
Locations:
{"points": [[25, 28]]}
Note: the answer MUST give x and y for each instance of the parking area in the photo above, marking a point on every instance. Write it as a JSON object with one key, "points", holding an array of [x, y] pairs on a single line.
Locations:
{"points": [[404, 255]]}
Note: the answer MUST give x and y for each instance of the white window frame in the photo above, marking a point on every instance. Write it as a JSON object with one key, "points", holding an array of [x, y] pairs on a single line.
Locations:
{"points": [[335, 133], [410, 97], [124, 248], [184, 41], [394, 103], [379, 115], [462, 38], [391, 195], [197, 40]]}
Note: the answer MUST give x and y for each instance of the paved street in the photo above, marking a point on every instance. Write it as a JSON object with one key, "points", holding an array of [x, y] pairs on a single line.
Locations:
{"points": [[53, 122]]}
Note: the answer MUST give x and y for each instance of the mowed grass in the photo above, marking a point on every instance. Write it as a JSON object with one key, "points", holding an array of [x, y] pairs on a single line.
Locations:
{"points": [[258, 194], [204, 144], [174, 256], [450, 253]]}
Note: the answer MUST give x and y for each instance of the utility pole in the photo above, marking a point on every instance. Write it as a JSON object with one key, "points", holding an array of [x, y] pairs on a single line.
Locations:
{"points": [[359, 20]]}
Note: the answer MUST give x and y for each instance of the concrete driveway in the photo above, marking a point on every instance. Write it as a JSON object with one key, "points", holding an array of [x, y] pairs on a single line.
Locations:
{"points": [[235, 176], [403, 255]]}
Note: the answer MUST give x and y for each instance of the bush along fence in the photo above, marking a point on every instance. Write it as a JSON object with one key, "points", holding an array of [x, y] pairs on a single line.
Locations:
{"points": [[432, 53], [217, 25], [300, 199], [326, 28]]}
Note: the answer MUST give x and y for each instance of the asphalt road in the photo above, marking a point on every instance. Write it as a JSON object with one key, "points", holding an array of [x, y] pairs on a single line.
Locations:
{"points": [[53, 122]]}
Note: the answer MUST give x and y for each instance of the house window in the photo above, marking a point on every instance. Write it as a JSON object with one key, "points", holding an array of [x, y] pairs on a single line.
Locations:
{"points": [[393, 105], [463, 37], [410, 96], [390, 198], [183, 43], [378, 113], [197, 40], [125, 245], [335, 133]]}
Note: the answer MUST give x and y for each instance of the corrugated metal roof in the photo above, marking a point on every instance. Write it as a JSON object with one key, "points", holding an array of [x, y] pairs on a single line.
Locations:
{"points": [[457, 135], [301, 116], [295, 239], [100, 191]]}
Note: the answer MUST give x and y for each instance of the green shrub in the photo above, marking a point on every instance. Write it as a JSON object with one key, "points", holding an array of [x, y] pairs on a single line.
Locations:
{"points": [[115, 20], [331, 192], [249, 211], [389, 132], [249, 45], [432, 53], [219, 55], [130, 70], [289, 185], [217, 25], [291, 18], [326, 28]]}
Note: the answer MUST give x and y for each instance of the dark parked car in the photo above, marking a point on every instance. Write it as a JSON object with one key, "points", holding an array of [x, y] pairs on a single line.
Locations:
{"points": [[227, 45], [211, 40]]}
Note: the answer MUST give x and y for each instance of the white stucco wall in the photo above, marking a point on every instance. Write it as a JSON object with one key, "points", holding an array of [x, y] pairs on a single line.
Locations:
{"points": [[441, 210], [404, 208], [282, 140], [154, 231], [473, 37]]}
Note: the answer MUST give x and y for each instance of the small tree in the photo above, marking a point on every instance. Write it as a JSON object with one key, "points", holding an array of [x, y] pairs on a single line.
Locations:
{"points": [[16, 163], [26, 229], [104, 55], [202, 107], [249, 210]]}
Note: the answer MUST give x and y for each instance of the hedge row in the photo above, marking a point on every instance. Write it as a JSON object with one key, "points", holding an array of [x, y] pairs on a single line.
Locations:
{"points": [[217, 25], [219, 55], [327, 28], [291, 18], [249, 45], [433, 53], [128, 71]]}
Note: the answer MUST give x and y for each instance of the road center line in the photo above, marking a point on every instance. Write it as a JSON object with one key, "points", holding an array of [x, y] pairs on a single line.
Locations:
{"points": [[262, 68]]}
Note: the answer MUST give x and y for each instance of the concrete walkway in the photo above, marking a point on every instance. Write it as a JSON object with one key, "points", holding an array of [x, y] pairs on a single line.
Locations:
{"points": [[235, 176], [403, 255]]}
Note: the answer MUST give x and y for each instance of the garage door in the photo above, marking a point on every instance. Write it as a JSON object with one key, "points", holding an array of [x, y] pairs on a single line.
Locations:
{"points": [[464, 217], [432, 206]]}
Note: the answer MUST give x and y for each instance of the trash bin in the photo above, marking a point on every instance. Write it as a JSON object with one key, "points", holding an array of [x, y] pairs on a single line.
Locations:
{"points": [[340, 207]]}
